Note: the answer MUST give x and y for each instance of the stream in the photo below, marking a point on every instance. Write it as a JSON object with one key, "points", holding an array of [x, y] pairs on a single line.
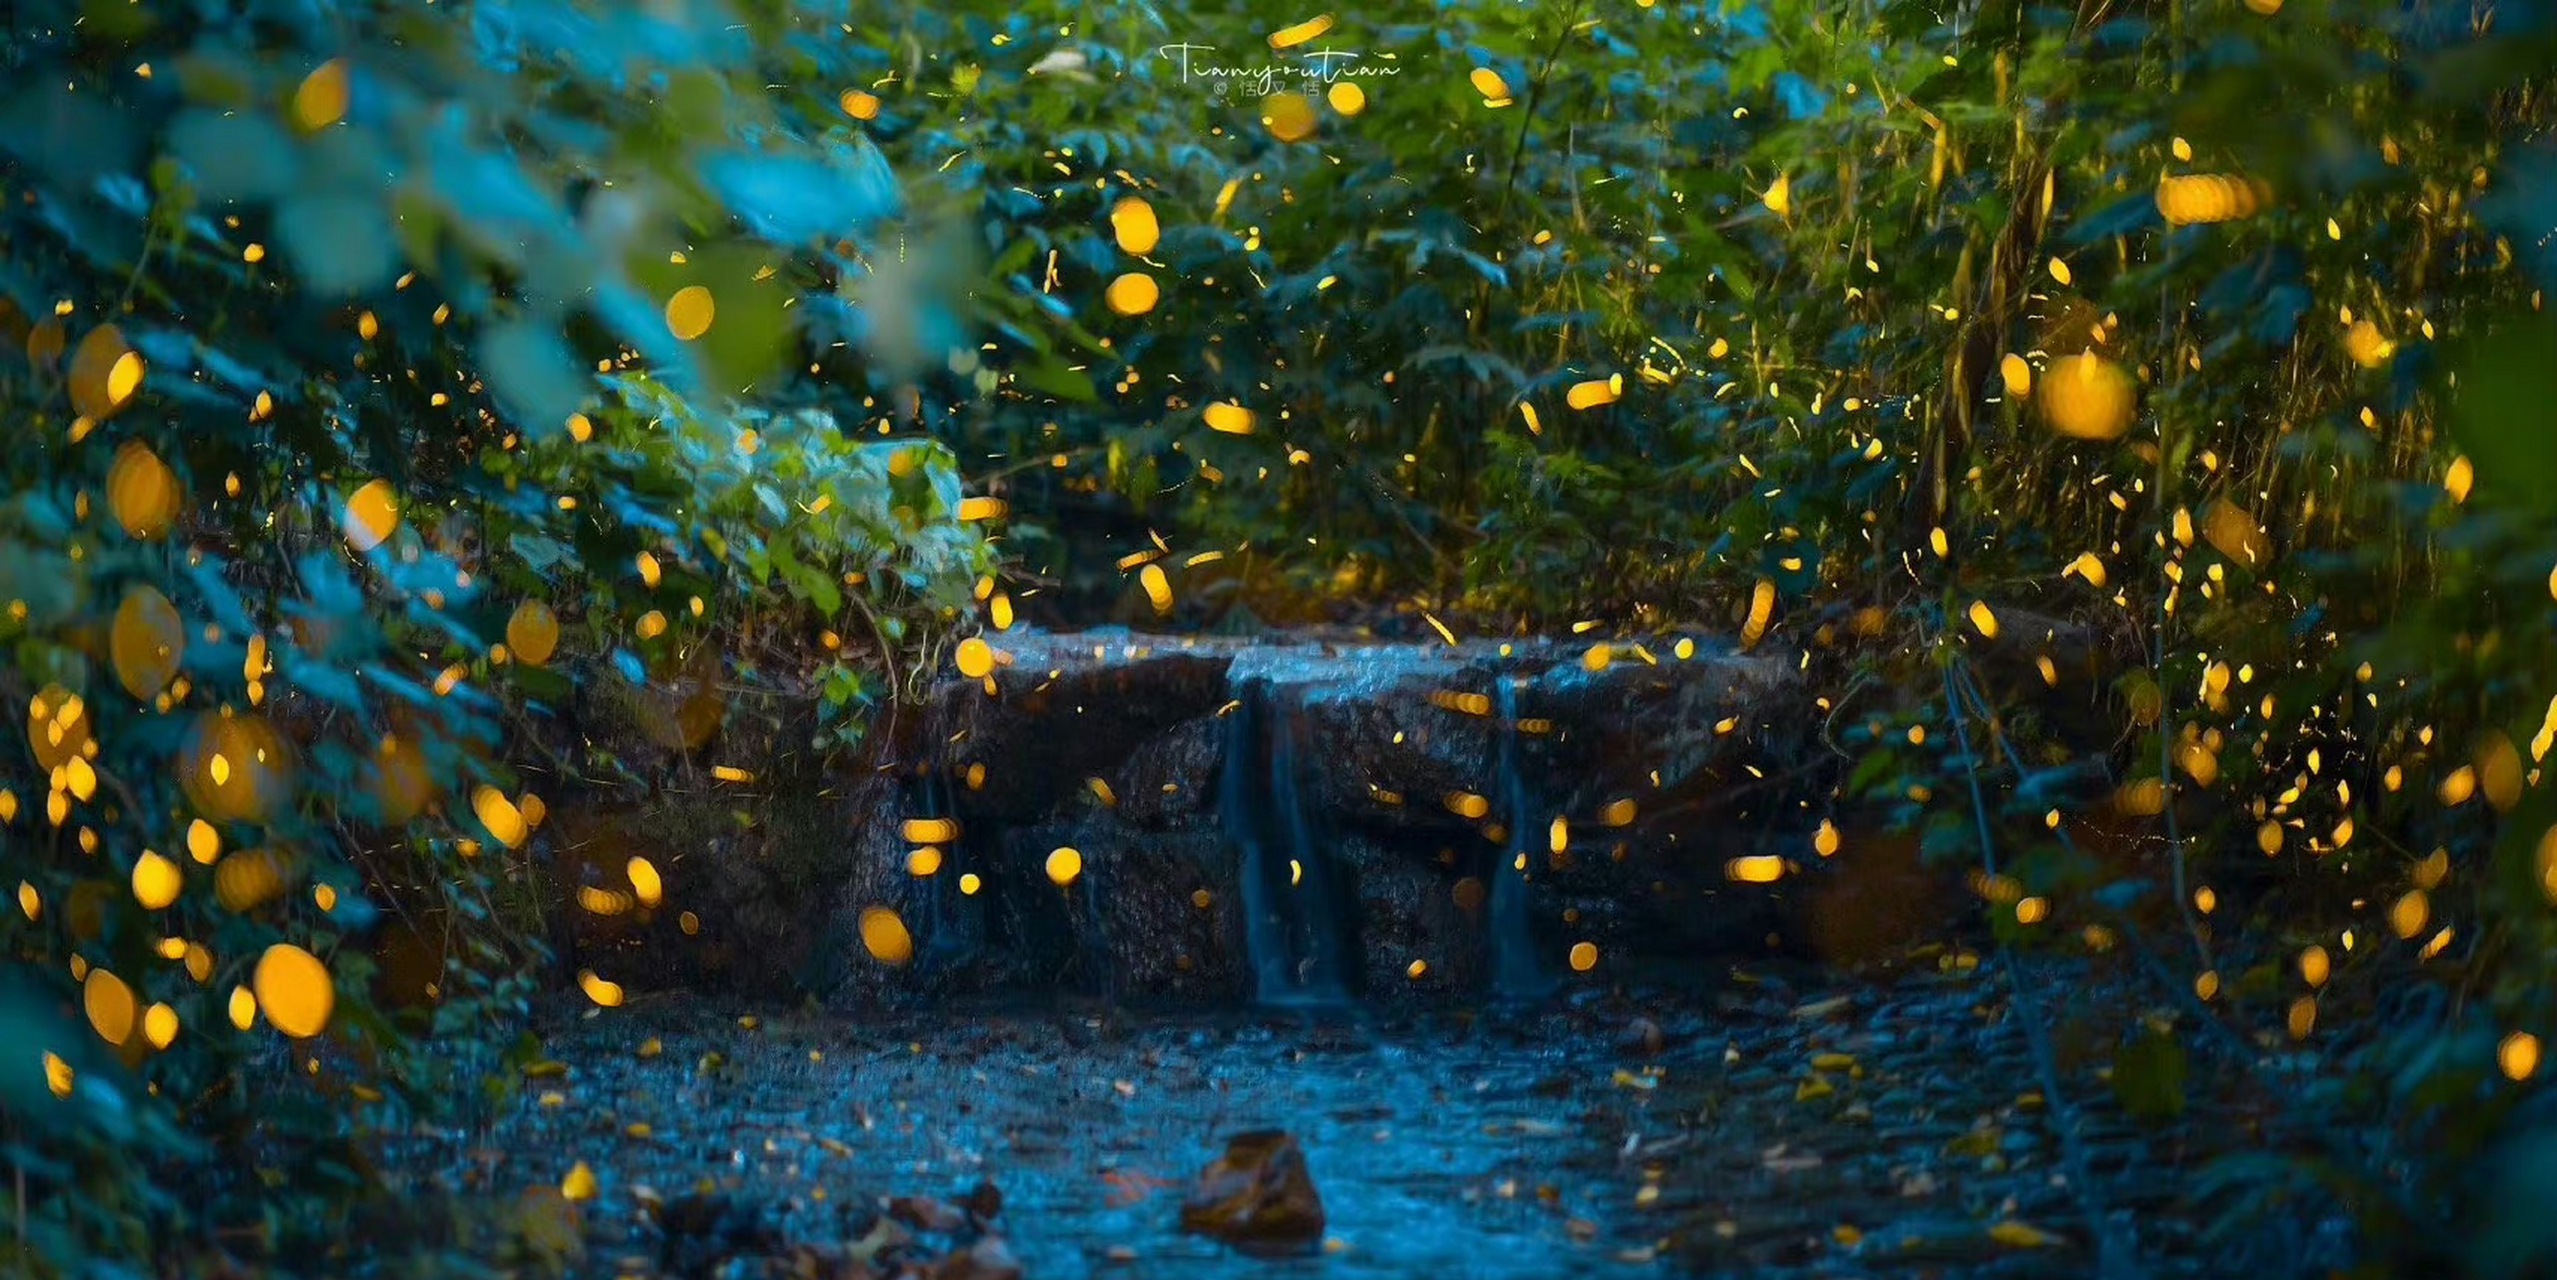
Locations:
{"points": [[1780, 1125]]}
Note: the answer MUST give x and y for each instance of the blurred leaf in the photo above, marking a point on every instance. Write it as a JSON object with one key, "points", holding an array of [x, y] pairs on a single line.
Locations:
{"points": [[235, 156], [2508, 380], [535, 376], [2148, 1076], [340, 243], [795, 201]]}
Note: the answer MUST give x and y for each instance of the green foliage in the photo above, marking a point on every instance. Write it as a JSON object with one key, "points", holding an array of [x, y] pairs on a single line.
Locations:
{"points": [[1809, 239], [1713, 297], [334, 345]]}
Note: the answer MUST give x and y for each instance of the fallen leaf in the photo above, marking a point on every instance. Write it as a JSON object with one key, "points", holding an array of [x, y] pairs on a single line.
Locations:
{"points": [[2022, 1235]]}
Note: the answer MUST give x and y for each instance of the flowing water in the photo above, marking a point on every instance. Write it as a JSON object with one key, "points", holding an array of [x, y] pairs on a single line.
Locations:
{"points": [[1441, 1146], [1516, 972], [952, 920], [1291, 896], [1774, 1130]]}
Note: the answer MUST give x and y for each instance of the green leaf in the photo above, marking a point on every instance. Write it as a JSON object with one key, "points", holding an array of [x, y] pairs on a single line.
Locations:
{"points": [[340, 243], [235, 156], [539, 552], [794, 200], [534, 375], [1052, 377], [2148, 1076], [2507, 381]]}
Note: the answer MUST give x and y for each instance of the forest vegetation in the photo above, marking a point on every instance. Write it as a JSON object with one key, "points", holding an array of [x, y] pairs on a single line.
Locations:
{"points": [[392, 389]]}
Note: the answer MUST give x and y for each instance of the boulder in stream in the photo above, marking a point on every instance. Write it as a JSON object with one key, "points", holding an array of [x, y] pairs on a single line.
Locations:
{"points": [[1258, 1196]]}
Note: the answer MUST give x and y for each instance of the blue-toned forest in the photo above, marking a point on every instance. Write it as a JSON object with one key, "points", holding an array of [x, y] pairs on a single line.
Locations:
{"points": [[1500, 639]]}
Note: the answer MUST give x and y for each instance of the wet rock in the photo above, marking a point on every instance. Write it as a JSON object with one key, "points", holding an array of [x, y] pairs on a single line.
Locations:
{"points": [[547, 1233], [1642, 1036], [1409, 909], [735, 913], [987, 1259], [1169, 782], [924, 1213], [1385, 740], [885, 1238], [1871, 903], [1044, 735], [1258, 1195], [1391, 759], [704, 1234], [984, 1202], [818, 1262]]}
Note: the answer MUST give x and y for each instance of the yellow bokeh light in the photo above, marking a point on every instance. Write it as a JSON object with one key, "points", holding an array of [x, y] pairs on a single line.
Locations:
{"points": [[499, 816], [146, 642], [1132, 294], [160, 1025], [2518, 1055], [690, 312], [110, 1005], [1134, 226], [1288, 37], [2088, 397], [142, 491], [532, 633], [372, 515], [156, 881], [2016, 374], [604, 993], [1063, 865], [294, 990], [645, 882], [1228, 417], [322, 97], [885, 936], [105, 374], [1288, 116]]}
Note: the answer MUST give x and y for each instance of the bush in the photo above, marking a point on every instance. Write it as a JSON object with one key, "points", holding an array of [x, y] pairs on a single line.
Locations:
{"points": [[320, 509]]}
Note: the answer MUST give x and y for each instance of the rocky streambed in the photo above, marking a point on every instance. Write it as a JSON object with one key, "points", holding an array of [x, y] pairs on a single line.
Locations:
{"points": [[1306, 819], [1787, 1123], [1143, 957]]}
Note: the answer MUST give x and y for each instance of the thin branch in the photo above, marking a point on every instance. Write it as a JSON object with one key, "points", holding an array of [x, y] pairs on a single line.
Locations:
{"points": [[2114, 1259]]}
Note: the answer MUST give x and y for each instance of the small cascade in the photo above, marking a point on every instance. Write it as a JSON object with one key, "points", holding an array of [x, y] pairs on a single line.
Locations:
{"points": [[1516, 973], [1291, 910], [949, 923]]}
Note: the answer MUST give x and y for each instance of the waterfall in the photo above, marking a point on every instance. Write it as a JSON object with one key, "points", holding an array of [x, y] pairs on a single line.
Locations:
{"points": [[948, 927], [1291, 912], [1516, 974]]}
